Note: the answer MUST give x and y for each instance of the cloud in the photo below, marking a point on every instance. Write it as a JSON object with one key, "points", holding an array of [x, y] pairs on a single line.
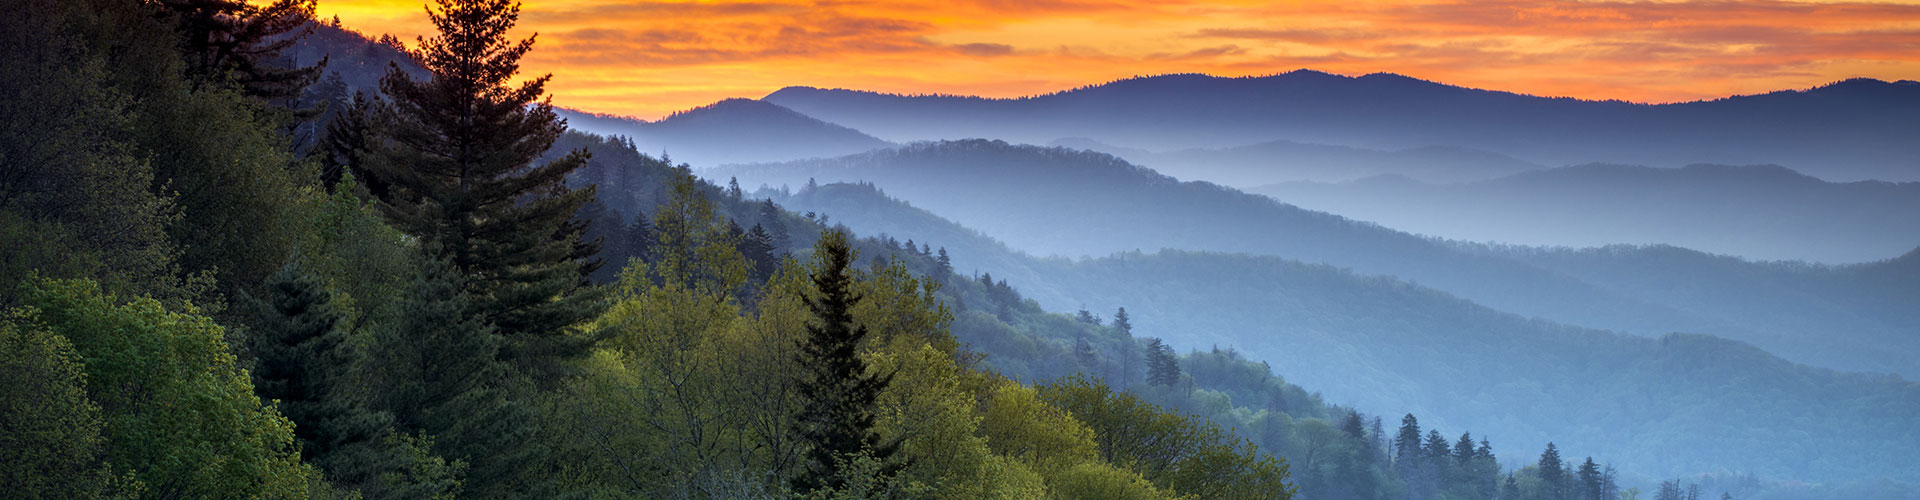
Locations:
{"points": [[984, 49]]}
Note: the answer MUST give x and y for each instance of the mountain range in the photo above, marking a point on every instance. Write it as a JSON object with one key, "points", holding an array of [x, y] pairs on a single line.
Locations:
{"points": [[1666, 405], [1287, 161], [1850, 130], [1758, 212], [1080, 204]]}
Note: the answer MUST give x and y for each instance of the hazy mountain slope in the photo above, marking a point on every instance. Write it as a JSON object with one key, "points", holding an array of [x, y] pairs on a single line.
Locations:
{"points": [[1757, 212], [1857, 315], [360, 61], [1856, 129], [731, 131], [1053, 201], [1285, 161], [1076, 203], [1678, 404]]}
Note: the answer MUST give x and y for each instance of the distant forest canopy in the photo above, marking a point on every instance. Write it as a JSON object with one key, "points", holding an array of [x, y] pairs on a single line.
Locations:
{"points": [[232, 273]]}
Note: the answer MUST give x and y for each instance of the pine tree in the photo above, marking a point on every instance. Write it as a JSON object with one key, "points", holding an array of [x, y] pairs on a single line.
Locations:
{"points": [[1463, 449], [1552, 473], [243, 40], [1589, 480], [1438, 451], [347, 148], [1510, 490], [1354, 426], [436, 370], [770, 217], [1163, 369], [733, 189], [1084, 352], [757, 247], [639, 240], [1124, 328], [304, 361], [1406, 444], [837, 417], [459, 167]]}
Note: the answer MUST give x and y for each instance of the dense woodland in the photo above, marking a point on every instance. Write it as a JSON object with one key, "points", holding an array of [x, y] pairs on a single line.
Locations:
{"points": [[235, 272]]}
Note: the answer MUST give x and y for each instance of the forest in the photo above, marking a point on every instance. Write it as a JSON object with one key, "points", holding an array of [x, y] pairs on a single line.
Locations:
{"points": [[233, 270]]}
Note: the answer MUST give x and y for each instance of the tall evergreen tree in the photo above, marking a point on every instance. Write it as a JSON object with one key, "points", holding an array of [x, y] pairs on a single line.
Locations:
{"points": [[757, 247], [1163, 369], [1553, 473], [305, 361], [946, 263], [1463, 449], [1354, 425], [1439, 453], [776, 229], [837, 415], [436, 371], [1406, 444], [1589, 480], [1084, 352], [458, 162]]}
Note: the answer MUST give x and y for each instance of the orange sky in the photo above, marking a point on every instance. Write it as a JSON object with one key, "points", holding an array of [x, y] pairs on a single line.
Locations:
{"points": [[650, 58]]}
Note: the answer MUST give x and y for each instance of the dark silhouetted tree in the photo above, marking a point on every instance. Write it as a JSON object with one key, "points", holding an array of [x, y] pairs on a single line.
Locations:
{"points": [[1354, 426], [1163, 369], [459, 168], [1553, 473], [1589, 481]]}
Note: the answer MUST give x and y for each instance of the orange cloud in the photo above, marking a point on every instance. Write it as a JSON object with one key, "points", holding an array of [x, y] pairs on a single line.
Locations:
{"points": [[650, 58]]}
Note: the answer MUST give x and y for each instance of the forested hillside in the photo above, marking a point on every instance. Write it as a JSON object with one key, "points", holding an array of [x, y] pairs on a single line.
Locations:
{"points": [[195, 310], [1388, 344]]}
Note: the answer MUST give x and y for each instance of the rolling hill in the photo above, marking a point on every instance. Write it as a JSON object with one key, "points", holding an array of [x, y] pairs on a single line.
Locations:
{"points": [[1288, 161], [1756, 212], [731, 131]]}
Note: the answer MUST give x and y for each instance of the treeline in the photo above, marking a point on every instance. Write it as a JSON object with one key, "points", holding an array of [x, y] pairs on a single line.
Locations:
{"points": [[198, 306]]}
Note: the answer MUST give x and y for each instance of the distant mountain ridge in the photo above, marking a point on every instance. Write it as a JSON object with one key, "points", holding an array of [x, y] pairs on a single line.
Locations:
{"points": [[731, 131], [1283, 161], [1848, 130], [1056, 201], [1763, 212], [1396, 346]]}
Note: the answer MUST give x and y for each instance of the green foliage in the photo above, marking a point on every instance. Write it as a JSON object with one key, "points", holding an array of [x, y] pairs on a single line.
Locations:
{"points": [[76, 197], [1174, 452], [51, 444], [179, 414]]}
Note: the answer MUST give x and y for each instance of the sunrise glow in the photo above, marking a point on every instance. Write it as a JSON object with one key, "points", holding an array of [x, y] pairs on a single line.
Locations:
{"points": [[649, 58]]}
